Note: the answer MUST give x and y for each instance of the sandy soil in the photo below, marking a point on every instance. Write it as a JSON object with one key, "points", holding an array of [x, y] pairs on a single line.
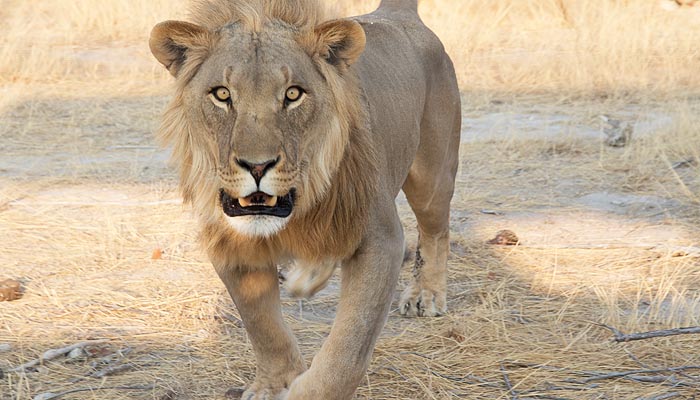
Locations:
{"points": [[92, 225], [86, 198]]}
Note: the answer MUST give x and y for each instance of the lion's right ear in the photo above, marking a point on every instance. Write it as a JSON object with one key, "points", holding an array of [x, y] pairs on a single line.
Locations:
{"points": [[173, 43]]}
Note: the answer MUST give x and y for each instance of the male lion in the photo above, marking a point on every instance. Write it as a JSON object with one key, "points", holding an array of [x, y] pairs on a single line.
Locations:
{"points": [[293, 136]]}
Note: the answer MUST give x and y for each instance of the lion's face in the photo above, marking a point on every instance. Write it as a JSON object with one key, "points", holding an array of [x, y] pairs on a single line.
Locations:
{"points": [[262, 102], [265, 117]]}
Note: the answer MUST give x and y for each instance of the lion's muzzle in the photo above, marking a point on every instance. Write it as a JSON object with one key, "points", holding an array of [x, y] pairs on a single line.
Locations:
{"points": [[258, 203]]}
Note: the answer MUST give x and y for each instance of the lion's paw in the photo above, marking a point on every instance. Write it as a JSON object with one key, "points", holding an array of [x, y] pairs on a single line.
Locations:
{"points": [[306, 279], [422, 302], [261, 394]]}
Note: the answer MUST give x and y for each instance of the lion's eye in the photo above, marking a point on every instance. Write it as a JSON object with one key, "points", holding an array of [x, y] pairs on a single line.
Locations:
{"points": [[293, 94], [222, 94]]}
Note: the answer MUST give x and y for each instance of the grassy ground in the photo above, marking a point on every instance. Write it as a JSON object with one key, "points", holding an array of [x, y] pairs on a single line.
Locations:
{"points": [[607, 235]]}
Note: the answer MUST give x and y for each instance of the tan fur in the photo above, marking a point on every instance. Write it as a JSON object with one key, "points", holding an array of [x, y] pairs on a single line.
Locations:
{"points": [[255, 286], [304, 15], [380, 111]]}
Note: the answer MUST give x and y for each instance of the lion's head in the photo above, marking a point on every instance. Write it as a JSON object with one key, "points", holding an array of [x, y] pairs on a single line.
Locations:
{"points": [[263, 108]]}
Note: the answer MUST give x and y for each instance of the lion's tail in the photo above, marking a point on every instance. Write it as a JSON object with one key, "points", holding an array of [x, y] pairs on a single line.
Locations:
{"points": [[399, 5]]}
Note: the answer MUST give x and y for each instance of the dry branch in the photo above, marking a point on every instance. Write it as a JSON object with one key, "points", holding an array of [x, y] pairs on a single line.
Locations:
{"points": [[53, 353], [661, 396], [622, 337], [511, 391], [640, 375], [52, 396], [112, 369]]}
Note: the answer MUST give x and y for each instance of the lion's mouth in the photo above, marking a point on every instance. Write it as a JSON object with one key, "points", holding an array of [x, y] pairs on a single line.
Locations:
{"points": [[258, 203]]}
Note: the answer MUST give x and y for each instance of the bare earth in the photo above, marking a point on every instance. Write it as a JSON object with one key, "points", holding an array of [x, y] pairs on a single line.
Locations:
{"points": [[92, 225], [607, 236]]}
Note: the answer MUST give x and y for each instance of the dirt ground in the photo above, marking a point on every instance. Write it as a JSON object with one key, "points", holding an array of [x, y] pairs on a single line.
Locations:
{"points": [[607, 236], [92, 225]]}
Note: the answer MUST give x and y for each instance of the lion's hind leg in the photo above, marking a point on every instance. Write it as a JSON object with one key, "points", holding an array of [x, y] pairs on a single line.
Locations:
{"points": [[425, 295], [429, 188]]}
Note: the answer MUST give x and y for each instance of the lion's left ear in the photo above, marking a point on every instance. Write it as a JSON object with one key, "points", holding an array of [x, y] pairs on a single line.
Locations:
{"points": [[340, 42]]}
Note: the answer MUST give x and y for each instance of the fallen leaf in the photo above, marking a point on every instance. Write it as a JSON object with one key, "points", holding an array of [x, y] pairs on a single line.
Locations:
{"points": [[10, 290], [505, 238]]}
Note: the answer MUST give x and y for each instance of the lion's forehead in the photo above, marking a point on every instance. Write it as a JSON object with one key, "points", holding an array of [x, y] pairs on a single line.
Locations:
{"points": [[245, 54]]}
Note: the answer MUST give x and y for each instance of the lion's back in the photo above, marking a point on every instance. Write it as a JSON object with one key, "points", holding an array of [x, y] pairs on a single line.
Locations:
{"points": [[404, 68]]}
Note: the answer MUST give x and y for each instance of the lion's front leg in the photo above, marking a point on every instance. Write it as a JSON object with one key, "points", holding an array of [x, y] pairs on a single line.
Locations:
{"points": [[256, 295], [368, 282]]}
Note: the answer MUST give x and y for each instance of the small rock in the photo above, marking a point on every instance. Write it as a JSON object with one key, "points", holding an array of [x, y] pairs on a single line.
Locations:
{"points": [[234, 393], [44, 396], [505, 238], [41, 370], [618, 133], [5, 347], [491, 212], [76, 353]]}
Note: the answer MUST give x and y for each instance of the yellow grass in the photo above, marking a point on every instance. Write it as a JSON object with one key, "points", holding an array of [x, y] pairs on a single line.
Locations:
{"points": [[584, 47], [85, 199]]}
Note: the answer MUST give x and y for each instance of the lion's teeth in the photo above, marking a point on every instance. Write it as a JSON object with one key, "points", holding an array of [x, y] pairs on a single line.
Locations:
{"points": [[244, 202], [269, 201]]}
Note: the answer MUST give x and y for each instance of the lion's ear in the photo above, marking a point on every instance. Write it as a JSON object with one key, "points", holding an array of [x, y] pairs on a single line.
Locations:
{"points": [[175, 42], [340, 42]]}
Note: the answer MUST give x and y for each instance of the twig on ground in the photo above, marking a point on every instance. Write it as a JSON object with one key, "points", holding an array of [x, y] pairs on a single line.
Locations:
{"points": [[52, 396], [466, 378], [415, 353], [657, 379], [390, 367], [53, 353], [491, 212], [639, 375], [688, 162], [635, 359], [109, 362], [552, 388], [661, 396], [112, 369], [622, 337], [533, 365], [513, 394]]}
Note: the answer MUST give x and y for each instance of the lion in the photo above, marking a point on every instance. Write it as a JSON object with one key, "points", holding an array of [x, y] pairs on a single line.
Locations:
{"points": [[293, 134]]}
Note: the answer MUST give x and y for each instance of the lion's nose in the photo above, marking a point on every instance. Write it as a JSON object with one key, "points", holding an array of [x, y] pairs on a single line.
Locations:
{"points": [[258, 170]]}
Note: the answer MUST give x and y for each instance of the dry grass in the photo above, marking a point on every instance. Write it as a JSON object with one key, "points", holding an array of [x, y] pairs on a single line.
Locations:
{"points": [[588, 48], [85, 198]]}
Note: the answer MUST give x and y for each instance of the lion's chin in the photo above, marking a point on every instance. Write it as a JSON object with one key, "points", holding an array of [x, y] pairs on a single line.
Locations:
{"points": [[257, 225]]}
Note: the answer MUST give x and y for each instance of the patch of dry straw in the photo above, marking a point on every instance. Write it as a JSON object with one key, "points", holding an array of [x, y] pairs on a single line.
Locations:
{"points": [[523, 320]]}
